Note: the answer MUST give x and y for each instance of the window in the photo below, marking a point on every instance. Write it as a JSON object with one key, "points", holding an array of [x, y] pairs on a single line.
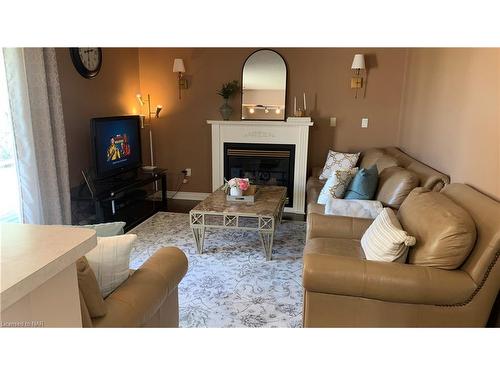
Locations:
{"points": [[10, 208]]}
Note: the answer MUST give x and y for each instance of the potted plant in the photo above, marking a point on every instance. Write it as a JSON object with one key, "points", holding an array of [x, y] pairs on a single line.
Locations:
{"points": [[227, 91]]}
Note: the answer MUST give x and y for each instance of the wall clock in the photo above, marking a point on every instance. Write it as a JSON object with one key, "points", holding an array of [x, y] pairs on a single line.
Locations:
{"points": [[87, 61]]}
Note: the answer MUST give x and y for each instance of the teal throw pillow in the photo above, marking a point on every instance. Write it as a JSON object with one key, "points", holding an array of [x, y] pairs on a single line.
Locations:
{"points": [[363, 185]]}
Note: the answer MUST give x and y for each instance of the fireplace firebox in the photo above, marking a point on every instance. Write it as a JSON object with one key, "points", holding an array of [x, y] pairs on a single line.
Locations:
{"points": [[262, 164]]}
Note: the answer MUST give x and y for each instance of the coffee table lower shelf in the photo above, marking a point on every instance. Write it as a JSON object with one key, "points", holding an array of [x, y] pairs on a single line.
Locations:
{"points": [[265, 225]]}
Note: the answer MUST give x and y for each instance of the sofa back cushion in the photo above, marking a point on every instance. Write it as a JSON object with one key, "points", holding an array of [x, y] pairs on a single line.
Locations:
{"points": [[445, 232], [377, 156], [369, 157], [394, 185]]}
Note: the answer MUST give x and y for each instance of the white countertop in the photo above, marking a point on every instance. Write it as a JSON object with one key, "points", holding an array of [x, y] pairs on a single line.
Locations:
{"points": [[32, 254]]}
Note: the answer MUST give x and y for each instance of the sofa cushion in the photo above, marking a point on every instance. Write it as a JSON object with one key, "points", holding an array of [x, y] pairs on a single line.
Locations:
{"points": [[363, 185], [394, 185], [378, 157], [107, 229], [334, 246], [385, 240], [336, 161], [445, 232], [89, 289], [370, 157], [110, 261], [336, 185]]}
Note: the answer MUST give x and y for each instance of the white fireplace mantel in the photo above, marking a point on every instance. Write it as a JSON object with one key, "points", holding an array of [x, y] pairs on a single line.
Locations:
{"points": [[269, 132]]}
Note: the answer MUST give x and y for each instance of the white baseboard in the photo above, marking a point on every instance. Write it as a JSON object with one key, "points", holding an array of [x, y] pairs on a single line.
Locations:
{"points": [[188, 195]]}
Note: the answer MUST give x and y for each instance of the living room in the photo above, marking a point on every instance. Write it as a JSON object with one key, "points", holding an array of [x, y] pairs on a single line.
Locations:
{"points": [[255, 184]]}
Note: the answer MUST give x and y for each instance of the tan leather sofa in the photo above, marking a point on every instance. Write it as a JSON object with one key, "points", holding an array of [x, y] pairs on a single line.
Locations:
{"points": [[148, 298], [342, 289], [398, 175]]}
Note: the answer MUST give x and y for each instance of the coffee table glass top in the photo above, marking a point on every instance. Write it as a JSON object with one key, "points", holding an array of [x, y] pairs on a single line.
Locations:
{"points": [[267, 203]]}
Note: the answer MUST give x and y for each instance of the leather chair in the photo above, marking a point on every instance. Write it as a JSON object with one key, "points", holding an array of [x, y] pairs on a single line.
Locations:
{"points": [[342, 289], [148, 298]]}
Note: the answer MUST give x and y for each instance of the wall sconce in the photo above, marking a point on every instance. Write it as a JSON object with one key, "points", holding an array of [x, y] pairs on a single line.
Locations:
{"points": [[156, 114], [180, 69], [358, 63]]}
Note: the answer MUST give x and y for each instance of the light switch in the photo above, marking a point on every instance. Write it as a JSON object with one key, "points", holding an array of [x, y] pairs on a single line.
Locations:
{"points": [[333, 122], [364, 122]]}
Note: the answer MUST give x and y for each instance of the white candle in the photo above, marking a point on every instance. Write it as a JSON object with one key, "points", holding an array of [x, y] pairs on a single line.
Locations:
{"points": [[305, 107], [294, 105]]}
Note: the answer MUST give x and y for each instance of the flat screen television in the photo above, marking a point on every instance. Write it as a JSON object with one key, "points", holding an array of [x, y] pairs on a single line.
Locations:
{"points": [[116, 144]]}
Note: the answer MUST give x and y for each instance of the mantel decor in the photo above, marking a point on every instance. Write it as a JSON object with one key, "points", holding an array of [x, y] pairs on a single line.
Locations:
{"points": [[227, 91]]}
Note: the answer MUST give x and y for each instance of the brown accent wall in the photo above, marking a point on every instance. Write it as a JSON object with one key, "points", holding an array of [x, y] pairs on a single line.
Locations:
{"points": [[450, 113], [183, 139], [111, 93]]}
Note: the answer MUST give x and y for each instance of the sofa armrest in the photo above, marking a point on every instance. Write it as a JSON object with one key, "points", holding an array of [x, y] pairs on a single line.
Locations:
{"points": [[385, 281], [135, 301], [336, 226], [315, 208]]}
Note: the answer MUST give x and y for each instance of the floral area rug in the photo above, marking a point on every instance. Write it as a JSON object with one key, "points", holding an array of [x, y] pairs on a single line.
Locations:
{"points": [[231, 284]]}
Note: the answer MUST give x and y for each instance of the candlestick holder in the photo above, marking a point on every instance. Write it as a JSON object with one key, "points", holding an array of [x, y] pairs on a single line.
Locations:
{"points": [[299, 112]]}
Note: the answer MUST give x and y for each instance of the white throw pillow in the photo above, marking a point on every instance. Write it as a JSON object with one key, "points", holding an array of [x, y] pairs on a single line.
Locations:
{"points": [[385, 240], [110, 261], [336, 185], [336, 161], [353, 208]]}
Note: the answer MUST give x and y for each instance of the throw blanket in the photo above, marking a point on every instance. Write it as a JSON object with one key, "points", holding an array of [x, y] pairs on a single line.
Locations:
{"points": [[353, 208]]}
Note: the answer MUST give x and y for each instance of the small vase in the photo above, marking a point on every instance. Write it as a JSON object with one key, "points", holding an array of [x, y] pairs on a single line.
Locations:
{"points": [[225, 110], [235, 192]]}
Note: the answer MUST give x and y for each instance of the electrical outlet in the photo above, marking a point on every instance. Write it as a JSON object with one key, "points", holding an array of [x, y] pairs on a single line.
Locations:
{"points": [[364, 122], [188, 172], [333, 122]]}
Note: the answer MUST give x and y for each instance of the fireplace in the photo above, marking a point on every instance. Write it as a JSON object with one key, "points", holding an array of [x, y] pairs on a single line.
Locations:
{"points": [[262, 164], [262, 137]]}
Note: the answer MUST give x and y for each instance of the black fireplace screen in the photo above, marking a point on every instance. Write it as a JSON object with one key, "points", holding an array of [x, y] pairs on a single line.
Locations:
{"points": [[262, 164]]}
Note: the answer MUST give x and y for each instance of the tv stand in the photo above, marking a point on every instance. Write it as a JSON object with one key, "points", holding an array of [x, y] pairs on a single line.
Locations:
{"points": [[130, 197]]}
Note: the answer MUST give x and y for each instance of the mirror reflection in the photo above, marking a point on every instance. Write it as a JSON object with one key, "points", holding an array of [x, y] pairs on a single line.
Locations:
{"points": [[264, 86]]}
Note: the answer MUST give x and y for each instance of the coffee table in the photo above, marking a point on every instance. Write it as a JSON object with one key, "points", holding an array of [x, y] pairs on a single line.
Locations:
{"points": [[263, 216]]}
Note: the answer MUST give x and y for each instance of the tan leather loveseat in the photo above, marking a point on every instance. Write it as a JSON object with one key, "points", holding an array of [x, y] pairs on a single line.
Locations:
{"points": [[398, 175], [451, 277], [148, 298]]}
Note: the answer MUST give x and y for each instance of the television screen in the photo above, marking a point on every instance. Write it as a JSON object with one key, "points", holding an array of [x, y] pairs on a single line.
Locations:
{"points": [[116, 144]]}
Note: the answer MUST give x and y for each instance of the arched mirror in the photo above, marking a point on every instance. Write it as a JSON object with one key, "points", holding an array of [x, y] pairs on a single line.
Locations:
{"points": [[263, 86]]}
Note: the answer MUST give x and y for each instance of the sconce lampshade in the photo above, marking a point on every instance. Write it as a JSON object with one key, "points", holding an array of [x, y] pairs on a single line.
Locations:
{"points": [[158, 110], [358, 62], [139, 99], [179, 66]]}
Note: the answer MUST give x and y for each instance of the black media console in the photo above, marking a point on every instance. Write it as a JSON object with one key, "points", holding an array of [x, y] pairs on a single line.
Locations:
{"points": [[131, 197]]}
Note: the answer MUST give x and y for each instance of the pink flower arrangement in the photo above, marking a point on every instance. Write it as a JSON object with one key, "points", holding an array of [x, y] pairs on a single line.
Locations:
{"points": [[240, 183]]}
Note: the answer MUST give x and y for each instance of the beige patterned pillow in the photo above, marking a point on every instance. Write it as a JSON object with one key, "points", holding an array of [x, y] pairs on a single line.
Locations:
{"points": [[385, 240], [338, 160], [336, 185]]}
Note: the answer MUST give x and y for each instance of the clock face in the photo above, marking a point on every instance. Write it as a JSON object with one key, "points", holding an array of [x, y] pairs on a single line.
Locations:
{"points": [[87, 61]]}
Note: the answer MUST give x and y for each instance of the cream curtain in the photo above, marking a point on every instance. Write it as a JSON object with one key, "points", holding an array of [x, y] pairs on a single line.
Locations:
{"points": [[37, 118]]}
